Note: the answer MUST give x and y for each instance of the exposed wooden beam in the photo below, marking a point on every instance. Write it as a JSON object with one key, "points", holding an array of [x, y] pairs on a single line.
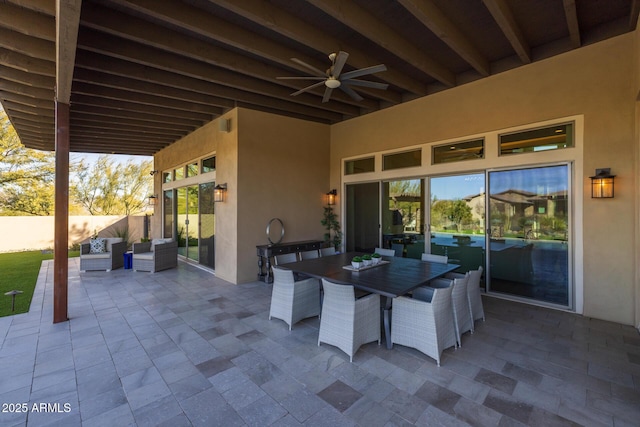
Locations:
{"points": [[27, 22], [46, 7], [433, 18], [283, 23], [145, 55], [46, 104], [12, 106], [29, 79], [27, 45], [501, 12], [144, 32], [633, 15], [26, 63], [572, 22], [96, 119], [67, 23], [9, 86], [352, 15]]}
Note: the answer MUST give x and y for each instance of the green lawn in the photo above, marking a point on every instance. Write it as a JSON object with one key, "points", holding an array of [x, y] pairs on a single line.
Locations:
{"points": [[19, 271]]}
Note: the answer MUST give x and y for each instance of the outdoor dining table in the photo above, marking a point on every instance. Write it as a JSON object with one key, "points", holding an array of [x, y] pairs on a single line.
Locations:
{"points": [[393, 278]]}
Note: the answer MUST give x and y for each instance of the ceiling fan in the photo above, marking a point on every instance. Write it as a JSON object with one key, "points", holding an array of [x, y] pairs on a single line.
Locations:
{"points": [[333, 78]]}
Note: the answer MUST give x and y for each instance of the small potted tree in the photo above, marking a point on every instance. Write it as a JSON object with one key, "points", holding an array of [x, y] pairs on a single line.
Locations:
{"points": [[356, 262], [376, 258], [366, 260]]}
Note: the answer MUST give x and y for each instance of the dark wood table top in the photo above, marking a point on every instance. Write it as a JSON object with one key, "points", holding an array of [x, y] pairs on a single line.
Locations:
{"points": [[398, 277]]}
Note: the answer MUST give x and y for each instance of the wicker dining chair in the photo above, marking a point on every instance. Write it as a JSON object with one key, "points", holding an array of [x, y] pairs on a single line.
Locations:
{"points": [[385, 252], [347, 322], [442, 259], [476, 309], [285, 258], [460, 304], [293, 300], [328, 251], [426, 326], [309, 254]]}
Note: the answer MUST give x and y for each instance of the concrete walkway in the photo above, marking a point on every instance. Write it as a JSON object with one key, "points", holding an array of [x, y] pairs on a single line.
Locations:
{"points": [[182, 348]]}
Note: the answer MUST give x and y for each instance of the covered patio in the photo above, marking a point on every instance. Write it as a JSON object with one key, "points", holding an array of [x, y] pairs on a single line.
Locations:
{"points": [[182, 347]]}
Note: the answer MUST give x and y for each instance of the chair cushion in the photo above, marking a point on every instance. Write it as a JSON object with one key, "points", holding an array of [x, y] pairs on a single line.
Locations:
{"points": [[103, 255], [144, 255], [159, 242], [111, 240], [97, 246]]}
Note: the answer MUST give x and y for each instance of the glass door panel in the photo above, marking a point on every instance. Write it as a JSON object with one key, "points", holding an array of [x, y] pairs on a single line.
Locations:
{"points": [[207, 225], [362, 217], [403, 217], [187, 221], [457, 219], [528, 245], [168, 213]]}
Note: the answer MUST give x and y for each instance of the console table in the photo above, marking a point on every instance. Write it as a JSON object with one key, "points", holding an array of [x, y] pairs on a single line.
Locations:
{"points": [[266, 252]]}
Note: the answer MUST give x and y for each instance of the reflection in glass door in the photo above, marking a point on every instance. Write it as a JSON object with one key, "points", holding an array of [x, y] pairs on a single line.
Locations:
{"points": [[403, 217], [207, 225], [457, 219], [187, 221], [528, 245], [362, 217]]}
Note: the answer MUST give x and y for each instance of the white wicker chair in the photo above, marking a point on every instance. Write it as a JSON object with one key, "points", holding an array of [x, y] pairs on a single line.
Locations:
{"points": [[385, 252], [292, 300], [285, 258], [442, 259], [426, 326], [328, 251], [460, 304], [347, 322], [309, 254], [473, 293]]}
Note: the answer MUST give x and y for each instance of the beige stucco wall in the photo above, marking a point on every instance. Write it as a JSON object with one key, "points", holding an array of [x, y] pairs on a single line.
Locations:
{"points": [[273, 166], [597, 81], [283, 172]]}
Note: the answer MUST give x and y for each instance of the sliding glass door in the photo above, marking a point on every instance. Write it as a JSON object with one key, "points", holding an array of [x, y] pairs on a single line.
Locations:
{"points": [[187, 221], [403, 217], [207, 225], [457, 219], [529, 223]]}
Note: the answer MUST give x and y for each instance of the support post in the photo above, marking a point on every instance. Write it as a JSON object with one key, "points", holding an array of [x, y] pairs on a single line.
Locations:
{"points": [[61, 229]]}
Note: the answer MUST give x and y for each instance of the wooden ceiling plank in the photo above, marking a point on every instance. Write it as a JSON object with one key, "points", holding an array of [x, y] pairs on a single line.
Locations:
{"points": [[571, 15], [362, 21], [90, 107], [26, 63], [27, 22], [46, 7], [44, 104], [27, 45], [81, 99], [432, 17], [296, 29], [94, 61], [22, 89], [144, 32], [142, 86], [144, 55], [501, 13], [143, 98], [28, 79], [29, 118], [13, 107], [114, 136], [123, 126], [97, 120]]}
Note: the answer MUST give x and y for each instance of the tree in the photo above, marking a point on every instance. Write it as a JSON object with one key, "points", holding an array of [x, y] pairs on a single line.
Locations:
{"points": [[26, 175], [112, 188], [457, 212]]}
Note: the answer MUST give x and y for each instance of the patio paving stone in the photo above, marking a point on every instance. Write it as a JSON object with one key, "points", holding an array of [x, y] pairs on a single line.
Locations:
{"points": [[184, 348]]}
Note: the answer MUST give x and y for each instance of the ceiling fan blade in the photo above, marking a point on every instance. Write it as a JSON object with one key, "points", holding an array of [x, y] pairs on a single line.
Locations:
{"points": [[327, 94], [313, 86], [339, 62], [366, 83], [315, 71], [364, 71], [301, 78], [352, 93]]}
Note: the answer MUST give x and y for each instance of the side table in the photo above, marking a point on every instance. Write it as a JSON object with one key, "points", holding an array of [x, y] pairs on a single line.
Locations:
{"points": [[128, 260]]}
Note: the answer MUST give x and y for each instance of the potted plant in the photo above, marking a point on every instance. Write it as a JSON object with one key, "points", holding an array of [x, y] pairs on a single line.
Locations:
{"points": [[366, 260], [356, 262], [333, 234], [376, 258]]}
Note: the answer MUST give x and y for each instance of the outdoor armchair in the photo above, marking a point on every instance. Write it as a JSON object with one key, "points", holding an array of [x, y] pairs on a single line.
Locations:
{"points": [[293, 300], [107, 255], [473, 294], [426, 326], [347, 322], [157, 255]]}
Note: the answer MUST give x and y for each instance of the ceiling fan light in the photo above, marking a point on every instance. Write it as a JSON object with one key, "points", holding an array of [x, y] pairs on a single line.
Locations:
{"points": [[332, 83]]}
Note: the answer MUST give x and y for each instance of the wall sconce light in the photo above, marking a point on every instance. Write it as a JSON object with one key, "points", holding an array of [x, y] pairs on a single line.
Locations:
{"points": [[331, 197], [153, 200], [218, 192], [153, 172], [602, 184]]}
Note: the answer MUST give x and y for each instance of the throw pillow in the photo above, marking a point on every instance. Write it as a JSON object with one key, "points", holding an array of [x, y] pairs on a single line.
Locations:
{"points": [[97, 246]]}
